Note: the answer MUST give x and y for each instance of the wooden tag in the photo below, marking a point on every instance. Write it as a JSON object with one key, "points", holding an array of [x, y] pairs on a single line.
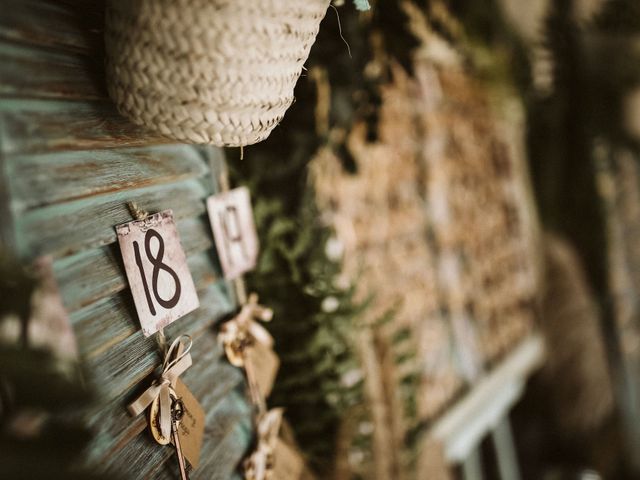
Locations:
{"points": [[264, 364], [234, 230], [156, 267], [191, 427], [288, 463]]}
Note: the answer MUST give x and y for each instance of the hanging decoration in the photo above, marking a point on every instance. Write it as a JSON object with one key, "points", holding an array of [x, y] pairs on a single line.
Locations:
{"points": [[165, 400], [248, 345], [156, 267], [273, 459], [161, 395], [216, 72], [45, 323], [234, 231], [163, 291]]}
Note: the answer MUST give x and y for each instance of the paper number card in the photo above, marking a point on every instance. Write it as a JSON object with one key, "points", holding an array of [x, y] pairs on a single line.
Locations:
{"points": [[157, 270], [235, 235]]}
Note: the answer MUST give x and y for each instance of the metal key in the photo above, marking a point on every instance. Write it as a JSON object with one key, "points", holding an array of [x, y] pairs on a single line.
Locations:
{"points": [[177, 412]]}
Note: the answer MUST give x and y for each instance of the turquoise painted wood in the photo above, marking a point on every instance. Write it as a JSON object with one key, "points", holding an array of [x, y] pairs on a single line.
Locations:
{"points": [[54, 74], [96, 273], [38, 126], [69, 163], [47, 179], [63, 25], [54, 230]]}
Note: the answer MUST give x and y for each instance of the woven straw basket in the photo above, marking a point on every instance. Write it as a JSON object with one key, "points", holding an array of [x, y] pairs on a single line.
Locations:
{"points": [[218, 72]]}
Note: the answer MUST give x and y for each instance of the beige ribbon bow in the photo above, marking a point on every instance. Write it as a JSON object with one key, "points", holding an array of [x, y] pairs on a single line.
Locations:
{"points": [[240, 332], [176, 361], [260, 465]]}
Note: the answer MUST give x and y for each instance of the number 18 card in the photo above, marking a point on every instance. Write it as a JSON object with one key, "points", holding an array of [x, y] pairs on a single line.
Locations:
{"points": [[156, 267]]}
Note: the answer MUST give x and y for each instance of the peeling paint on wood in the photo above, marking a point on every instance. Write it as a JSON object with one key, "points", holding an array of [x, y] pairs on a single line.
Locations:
{"points": [[33, 126], [54, 230], [53, 25], [40, 73], [107, 322], [46, 179], [95, 274]]}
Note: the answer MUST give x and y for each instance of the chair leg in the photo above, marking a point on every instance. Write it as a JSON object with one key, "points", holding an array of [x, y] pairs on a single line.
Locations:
{"points": [[472, 466], [505, 451]]}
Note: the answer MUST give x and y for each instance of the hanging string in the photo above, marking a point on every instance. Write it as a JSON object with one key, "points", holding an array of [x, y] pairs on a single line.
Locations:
{"points": [[340, 31]]}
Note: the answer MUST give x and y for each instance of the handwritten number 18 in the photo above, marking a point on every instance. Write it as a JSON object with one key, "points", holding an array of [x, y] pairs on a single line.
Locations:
{"points": [[155, 273]]}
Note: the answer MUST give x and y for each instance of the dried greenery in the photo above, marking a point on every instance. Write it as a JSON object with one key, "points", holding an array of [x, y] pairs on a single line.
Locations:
{"points": [[316, 316], [317, 327]]}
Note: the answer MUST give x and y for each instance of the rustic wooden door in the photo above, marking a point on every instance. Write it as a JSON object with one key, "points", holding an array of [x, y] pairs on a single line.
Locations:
{"points": [[69, 164]]}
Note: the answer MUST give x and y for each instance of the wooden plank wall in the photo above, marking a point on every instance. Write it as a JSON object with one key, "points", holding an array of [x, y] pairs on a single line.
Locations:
{"points": [[69, 164]]}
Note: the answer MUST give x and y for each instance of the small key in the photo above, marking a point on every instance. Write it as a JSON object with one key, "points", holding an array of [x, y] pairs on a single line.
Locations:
{"points": [[177, 412]]}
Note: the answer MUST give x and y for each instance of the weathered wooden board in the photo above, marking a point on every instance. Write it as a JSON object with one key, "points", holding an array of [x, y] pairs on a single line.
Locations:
{"points": [[117, 427], [130, 360], [40, 180], [227, 423], [54, 25], [69, 166], [103, 324], [68, 228], [41, 73], [95, 274], [33, 126]]}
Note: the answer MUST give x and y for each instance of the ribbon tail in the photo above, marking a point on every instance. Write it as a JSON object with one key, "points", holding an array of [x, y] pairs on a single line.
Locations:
{"points": [[261, 466], [143, 401], [178, 369], [165, 412], [269, 425]]}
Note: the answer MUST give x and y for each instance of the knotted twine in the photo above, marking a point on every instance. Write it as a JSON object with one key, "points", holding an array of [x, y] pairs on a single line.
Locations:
{"points": [[176, 361]]}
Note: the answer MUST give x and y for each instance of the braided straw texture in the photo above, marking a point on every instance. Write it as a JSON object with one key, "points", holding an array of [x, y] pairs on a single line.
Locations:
{"points": [[218, 72]]}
